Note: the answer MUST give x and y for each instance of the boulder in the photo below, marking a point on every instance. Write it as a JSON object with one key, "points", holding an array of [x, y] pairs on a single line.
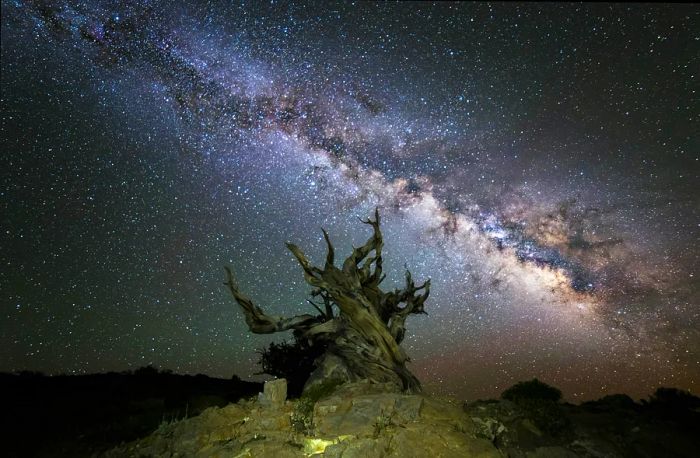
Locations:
{"points": [[388, 424], [274, 393]]}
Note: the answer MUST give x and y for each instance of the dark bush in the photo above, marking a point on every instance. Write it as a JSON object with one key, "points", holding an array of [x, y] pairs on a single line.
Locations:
{"points": [[31, 374], [547, 415], [612, 402], [674, 399], [539, 402], [533, 389], [293, 361], [146, 371]]}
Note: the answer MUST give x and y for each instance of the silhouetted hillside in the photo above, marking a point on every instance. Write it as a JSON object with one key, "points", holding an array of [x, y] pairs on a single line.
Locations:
{"points": [[78, 415]]}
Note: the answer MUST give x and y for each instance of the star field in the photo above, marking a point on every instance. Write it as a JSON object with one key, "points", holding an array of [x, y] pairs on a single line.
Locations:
{"points": [[539, 162]]}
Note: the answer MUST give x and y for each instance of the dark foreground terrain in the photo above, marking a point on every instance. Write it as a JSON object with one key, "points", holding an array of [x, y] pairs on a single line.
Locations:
{"points": [[666, 426], [75, 416]]}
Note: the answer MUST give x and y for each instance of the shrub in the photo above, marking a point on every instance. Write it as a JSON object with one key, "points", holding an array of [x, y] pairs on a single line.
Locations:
{"points": [[674, 399], [532, 390], [548, 416], [293, 361], [539, 402], [675, 405], [302, 416], [146, 371], [612, 402]]}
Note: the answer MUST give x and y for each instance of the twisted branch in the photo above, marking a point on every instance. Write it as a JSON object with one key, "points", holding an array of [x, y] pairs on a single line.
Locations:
{"points": [[258, 321]]}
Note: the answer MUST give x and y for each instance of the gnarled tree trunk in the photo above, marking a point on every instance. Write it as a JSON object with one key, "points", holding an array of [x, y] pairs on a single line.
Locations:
{"points": [[364, 333]]}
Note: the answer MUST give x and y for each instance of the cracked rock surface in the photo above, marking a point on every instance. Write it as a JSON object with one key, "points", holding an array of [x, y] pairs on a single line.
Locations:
{"points": [[357, 420]]}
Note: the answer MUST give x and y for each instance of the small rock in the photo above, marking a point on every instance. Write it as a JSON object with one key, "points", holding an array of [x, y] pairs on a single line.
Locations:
{"points": [[274, 394]]}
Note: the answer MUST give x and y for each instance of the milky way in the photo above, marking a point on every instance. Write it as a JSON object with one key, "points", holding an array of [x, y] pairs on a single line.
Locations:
{"points": [[537, 162]]}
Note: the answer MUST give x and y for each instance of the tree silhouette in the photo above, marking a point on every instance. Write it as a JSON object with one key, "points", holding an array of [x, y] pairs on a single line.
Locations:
{"points": [[360, 326]]}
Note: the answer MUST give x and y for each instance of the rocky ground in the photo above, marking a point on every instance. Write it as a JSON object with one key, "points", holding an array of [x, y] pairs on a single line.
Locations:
{"points": [[143, 415], [356, 420], [598, 429], [362, 420]]}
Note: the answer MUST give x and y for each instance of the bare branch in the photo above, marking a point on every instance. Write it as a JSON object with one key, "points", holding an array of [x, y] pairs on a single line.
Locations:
{"points": [[414, 305], [329, 305], [329, 327], [330, 256], [316, 307], [311, 274], [375, 242], [257, 320]]}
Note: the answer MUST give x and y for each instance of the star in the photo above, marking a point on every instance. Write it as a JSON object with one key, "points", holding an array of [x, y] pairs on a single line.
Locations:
{"points": [[536, 163]]}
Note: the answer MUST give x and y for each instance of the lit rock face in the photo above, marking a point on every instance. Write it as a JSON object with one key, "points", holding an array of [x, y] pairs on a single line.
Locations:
{"points": [[372, 423]]}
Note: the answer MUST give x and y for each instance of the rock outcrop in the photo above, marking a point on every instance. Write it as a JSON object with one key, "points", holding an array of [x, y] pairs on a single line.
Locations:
{"points": [[356, 420], [364, 420]]}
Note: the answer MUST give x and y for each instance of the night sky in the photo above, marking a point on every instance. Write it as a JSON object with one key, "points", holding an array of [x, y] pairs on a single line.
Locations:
{"points": [[539, 162]]}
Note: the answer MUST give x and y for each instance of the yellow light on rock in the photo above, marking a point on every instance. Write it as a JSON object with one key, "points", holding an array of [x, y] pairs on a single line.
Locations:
{"points": [[314, 446]]}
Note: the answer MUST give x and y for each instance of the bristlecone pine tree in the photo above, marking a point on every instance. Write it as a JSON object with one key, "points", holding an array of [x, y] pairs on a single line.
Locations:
{"points": [[361, 325]]}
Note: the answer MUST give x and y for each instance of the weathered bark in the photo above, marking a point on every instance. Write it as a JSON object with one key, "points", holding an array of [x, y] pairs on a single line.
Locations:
{"points": [[363, 337]]}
